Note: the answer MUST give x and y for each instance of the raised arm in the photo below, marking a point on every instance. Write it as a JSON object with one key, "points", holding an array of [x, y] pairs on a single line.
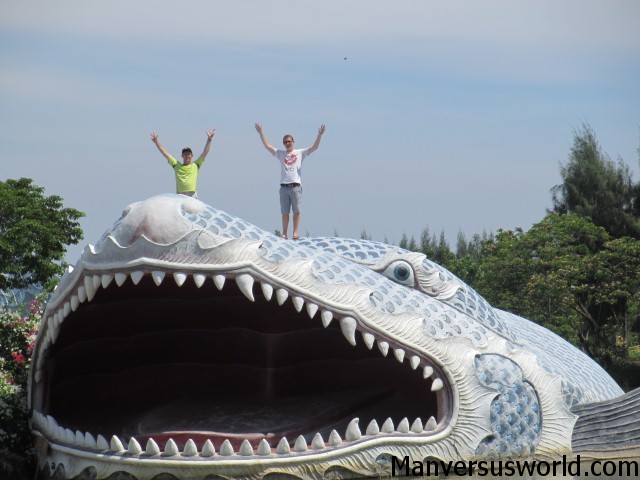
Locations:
{"points": [[165, 154], [207, 146], [266, 144], [316, 144]]}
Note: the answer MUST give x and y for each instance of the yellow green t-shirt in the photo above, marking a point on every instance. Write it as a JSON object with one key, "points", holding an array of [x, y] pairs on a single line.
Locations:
{"points": [[186, 175]]}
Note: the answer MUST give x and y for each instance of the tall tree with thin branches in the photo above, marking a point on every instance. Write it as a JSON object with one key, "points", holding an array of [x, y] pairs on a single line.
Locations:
{"points": [[595, 186]]}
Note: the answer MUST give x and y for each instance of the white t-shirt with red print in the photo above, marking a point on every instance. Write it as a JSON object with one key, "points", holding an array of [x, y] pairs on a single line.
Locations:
{"points": [[291, 164]]}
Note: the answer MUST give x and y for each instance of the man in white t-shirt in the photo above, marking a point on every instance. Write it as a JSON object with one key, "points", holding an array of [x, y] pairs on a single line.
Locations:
{"points": [[290, 161]]}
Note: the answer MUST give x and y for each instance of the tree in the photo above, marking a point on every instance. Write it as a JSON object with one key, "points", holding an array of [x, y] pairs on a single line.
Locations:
{"points": [[364, 235], [595, 186], [466, 263], [34, 232], [568, 275]]}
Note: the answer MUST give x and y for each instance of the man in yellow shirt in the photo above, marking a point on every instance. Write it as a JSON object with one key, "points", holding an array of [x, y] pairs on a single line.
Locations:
{"points": [[187, 171]]}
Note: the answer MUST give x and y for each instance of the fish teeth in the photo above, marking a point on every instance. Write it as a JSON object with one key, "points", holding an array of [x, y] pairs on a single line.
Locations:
{"points": [[431, 424], [102, 443], [348, 327], [134, 447], [414, 361], [312, 308], [136, 277], [403, 426], [372, 428], [35, 419], [384, 348], [46, 422], [318, 442], [226, 450], [79, 438], [75, 302], [51, 327], [437, 384], [416, 426], [179, 278], [245, 284], [218, 281], [387, 426], [82, 294], [427, 372], [171, 449], [353, 431], [199, 279], [97, 281], [283, 446], [246, 450], [120, 278], [66, 309], [69, 436], [300, 445], [190, 449], [105, 280], [90, 441], [326, 316], [158, 277], [116, 444], [152, 447], [334, 438], [399, 354], [281, 295], [267, 291], [298, 303], [89, 288], [264, 448], [369, 339], [58, 318], [208, 450]]}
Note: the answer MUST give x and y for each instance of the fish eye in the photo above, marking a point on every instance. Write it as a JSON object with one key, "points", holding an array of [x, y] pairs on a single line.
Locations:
{"points": [[400, 272]]}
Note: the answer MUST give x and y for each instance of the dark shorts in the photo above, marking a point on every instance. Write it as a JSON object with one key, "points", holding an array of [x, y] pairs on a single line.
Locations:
{"points": [[290, 198]]}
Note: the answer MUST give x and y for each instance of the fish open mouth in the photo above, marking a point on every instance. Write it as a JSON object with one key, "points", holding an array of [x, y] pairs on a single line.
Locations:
{"points": [[163, 363]]}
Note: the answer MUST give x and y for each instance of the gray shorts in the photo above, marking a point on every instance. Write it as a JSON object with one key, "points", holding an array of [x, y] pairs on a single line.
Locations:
{"points": [[290, 198]]}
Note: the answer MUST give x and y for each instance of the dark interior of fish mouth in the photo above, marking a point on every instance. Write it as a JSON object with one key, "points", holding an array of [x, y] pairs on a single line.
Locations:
{"points": [[186, 362]]}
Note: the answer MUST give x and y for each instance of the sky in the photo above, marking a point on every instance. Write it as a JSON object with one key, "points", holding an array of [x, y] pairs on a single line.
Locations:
{"points": [[448, 115]]}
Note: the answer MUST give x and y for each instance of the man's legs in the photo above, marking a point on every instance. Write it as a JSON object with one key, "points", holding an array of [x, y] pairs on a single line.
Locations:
{"points": [[296, 201], [285, 207], [296, 224]]}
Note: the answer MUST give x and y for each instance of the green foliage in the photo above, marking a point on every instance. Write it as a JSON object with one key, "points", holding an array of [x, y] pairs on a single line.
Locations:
{"points": [[595, 186], [569, 275], [18, 330], [435, 250], [34, 232], [466, 262]]}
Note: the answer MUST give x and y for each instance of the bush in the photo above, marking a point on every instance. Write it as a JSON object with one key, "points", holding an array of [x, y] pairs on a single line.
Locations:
{"points": [[18, 330]]}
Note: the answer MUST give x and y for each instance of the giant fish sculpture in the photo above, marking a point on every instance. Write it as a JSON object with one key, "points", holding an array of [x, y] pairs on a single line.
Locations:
{"points": [[190, 344]]}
